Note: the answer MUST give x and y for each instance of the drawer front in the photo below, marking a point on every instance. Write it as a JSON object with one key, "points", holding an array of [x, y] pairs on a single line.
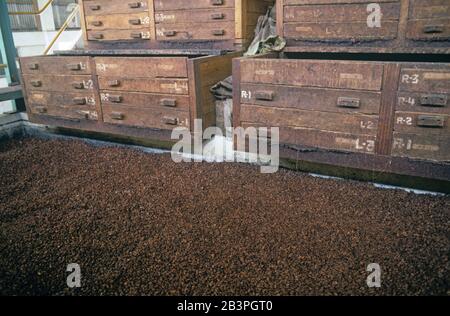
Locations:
{"points": [[423, 102], [165, 86], [339, 13], [67, 105], [145, 100], [54, 65], [332, 31], [140, 117], [118, 21], [315, 99], [208, 15], [326, 74], [163, 5], [421, 146], [429, 29], [102, 7], [195, 31], [58, 83], [435, 79], [137, 34], [145, 67], [422, 123], [324, 139], [336, 122], [304, 2], [429, 9]]}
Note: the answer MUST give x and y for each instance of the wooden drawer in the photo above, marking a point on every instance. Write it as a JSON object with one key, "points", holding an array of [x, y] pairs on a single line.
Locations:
{"points": [[423, 102], [168, 86], [67, 105], [429, 20], [429, 9], [52, 65], [422, 123], [144, 67], [429, 147], [195, 31], [58, 83], [145, 117], [118, 21], [163, 5], [325, 121], [425, 78], [103, 7], [138, 34], [145, 100], [314, 99], [208, 15], [314, 73]]}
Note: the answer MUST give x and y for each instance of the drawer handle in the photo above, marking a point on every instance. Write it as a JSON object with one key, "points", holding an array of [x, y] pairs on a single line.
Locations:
{"points": [[430, 121], [136, 35], [115, 98], [113, 83], [74, 67], [118, 116], [79, 101], [94, 7], [78, 85], [41, 109], [264, 95], [33, 66], [97, 36], [435, 100], [217, 2], [134, 5], [352, 103], [170, 120], [217, 16], [218, 32], [433, 29], [135, 21], [97, 23], [36, 83], [170, 33], [169, 102]]}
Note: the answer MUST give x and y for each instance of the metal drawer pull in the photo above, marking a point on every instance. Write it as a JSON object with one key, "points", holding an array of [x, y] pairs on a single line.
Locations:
{"points": [[97, 36], [79, 101], [433, 29], [115, 98], [438, 100], [74, 67], [169, 102], [136, 35], [33, 66], [97, 23], [134, 5], [217, 2], [264, 95], [94, 7], [217, 16], [117, 116], [135, 21], [170, 33], [352, 103], [170, 120], [218, 32], [41, 109], [430, 121], [36, 83], [78, 85], [114, 83]]}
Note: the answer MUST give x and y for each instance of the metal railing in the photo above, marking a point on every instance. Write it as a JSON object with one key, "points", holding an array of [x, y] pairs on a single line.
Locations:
{"points": [[49, 2]]}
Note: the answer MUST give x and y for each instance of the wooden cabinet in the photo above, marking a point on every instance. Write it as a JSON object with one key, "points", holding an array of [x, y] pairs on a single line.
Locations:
{"points": [[133, 96], [171, 24], [384, 26]]}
